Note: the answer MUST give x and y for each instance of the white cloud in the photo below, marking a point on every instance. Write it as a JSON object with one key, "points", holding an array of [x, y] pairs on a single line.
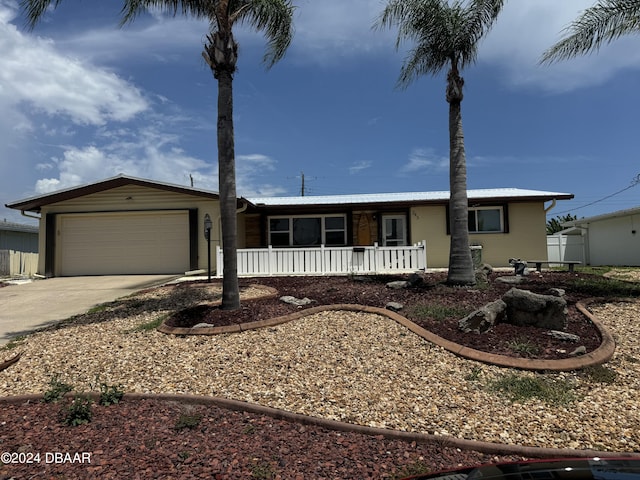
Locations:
{"points": [[359, 166], [425, 160], [526, 28], [250, 170], [35, 74]]}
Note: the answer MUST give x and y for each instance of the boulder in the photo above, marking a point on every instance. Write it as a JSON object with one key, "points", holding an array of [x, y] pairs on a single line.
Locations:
{"points": [[394, 306], [298, 302], [525, 308], [567, 337], [483, 319], [510, 280]]}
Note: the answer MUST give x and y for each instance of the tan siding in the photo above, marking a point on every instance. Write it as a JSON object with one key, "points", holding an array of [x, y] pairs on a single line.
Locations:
{"points": [[526, 238], [139, 198]]}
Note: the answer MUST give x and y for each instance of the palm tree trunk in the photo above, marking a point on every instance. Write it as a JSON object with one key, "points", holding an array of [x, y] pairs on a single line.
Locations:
{"points": [[461, 270], [227, 187]]}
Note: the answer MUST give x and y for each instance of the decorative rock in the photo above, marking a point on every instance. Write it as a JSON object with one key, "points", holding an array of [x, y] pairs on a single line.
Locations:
{"points": [[399, 284], [415, 279], [556, 292], [525, 308], [567, 337], [483, 319], [578, 351], [362, 279], [202, 325], [510, 280], [299, 302], [394, 306]]}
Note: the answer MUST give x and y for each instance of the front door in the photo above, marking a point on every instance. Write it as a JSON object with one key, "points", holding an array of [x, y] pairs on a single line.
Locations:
{"points": [[394, 230]]}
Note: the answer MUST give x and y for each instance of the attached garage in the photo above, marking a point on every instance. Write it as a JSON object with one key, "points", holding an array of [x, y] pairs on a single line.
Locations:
{"points": [[119, 243], [124, 226]]}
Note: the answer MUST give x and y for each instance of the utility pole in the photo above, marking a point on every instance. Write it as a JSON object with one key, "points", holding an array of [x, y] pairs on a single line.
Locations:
{"points": [[302, 187]]}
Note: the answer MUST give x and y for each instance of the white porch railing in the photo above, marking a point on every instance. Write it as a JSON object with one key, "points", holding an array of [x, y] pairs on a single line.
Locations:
{"points": [[18, 263], [323, 260]]}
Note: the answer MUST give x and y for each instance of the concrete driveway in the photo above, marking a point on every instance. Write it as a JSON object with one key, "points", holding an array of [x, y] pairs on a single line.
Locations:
{"points": [[29, 306]]}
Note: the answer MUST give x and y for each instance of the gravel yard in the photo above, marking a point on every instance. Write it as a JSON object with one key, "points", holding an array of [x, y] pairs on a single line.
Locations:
{"points": [[348, 366]]}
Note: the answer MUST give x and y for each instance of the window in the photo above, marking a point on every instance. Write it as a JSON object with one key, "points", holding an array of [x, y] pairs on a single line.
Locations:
{"points": [[485, 219], [308, 230]]}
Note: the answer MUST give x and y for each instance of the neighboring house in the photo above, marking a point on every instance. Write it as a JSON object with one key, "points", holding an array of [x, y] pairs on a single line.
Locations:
{"points": [[18, 237], [127, 225], [609, 239]]}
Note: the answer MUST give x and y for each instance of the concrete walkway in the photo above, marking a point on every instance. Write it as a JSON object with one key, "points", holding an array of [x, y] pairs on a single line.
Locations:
{"points": [[29, 306]]}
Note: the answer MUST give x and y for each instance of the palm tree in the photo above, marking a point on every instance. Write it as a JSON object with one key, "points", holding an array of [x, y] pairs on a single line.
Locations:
{"points": [[274, 18], [604, 22], [446, 36]]}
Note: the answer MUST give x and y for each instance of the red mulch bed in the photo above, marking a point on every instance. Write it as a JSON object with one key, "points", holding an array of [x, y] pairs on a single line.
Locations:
{"points": [[140, 439]]}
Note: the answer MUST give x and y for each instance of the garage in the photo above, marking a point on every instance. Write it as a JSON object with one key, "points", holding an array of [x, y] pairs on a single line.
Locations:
{"points": [[123, 243]]}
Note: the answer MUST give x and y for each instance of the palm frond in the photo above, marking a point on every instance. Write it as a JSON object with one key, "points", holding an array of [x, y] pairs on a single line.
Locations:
{"points": [[444, 33], [275, 19], [35, 9], [598, 25]]}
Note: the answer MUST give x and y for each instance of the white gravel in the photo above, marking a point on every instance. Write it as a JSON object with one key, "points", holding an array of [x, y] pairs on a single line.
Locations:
{"points": [[355, 367]]}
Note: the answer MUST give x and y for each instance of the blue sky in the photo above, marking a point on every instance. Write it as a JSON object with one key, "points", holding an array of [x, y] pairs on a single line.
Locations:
{"points": [[83, 100]]}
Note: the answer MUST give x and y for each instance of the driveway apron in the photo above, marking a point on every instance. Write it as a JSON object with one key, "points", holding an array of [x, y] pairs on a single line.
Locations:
{"points": [[30, 306]]}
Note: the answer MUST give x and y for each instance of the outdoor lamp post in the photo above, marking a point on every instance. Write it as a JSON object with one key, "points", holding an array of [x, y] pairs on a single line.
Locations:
{"points": [[207, 235]]}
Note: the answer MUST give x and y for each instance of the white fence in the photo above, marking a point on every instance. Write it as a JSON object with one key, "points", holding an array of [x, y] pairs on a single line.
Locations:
{"points": [[18, 263], [566, 248], [328, 260]]}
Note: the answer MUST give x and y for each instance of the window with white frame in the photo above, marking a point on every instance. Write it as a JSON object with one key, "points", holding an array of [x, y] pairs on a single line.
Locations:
{"points": [[486, 219], [306, 230]]}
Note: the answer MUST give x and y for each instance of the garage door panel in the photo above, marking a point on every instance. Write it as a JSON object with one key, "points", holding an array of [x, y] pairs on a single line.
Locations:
{"points": [[124, 243]]}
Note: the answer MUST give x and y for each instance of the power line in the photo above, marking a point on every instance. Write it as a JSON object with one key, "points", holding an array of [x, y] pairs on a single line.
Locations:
{"points": [[634, 182]]}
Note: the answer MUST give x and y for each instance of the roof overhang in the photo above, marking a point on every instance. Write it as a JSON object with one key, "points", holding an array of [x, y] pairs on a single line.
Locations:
{"points": [[35, 204], [400, 200]]}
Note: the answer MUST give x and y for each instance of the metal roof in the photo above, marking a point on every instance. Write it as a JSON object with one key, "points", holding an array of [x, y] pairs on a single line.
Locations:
{"points": [[18, 227], [409, 197], [604, 216]]}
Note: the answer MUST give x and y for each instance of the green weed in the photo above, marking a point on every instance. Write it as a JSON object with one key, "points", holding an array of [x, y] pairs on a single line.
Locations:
{"points": [[520, 388], [263, 470], [14, 342], [188, 419], [78, 411], [57, 389], [418, 467], [148, 326], [600, 374], [524, 347]]}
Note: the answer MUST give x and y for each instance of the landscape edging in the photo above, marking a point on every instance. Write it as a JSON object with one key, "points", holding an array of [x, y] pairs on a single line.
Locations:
{"points": [[600, 355], [335, 425]]}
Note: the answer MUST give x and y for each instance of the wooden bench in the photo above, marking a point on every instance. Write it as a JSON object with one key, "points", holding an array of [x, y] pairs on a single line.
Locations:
{"points": [[569, 263]]}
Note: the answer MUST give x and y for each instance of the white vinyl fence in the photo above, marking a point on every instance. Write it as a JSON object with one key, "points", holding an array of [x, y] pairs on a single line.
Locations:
{"points": [[565, 248], [328, 260], [13, 262]]}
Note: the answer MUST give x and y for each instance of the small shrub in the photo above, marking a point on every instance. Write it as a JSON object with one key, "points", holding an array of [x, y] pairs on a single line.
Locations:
{"points": [[523, 388], [57, 389], [188, 420], [109, 394], [78, 411], [600, 374]]}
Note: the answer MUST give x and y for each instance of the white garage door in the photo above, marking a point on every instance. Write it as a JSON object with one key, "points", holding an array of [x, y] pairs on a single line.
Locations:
{"points": [[123, 243]]}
